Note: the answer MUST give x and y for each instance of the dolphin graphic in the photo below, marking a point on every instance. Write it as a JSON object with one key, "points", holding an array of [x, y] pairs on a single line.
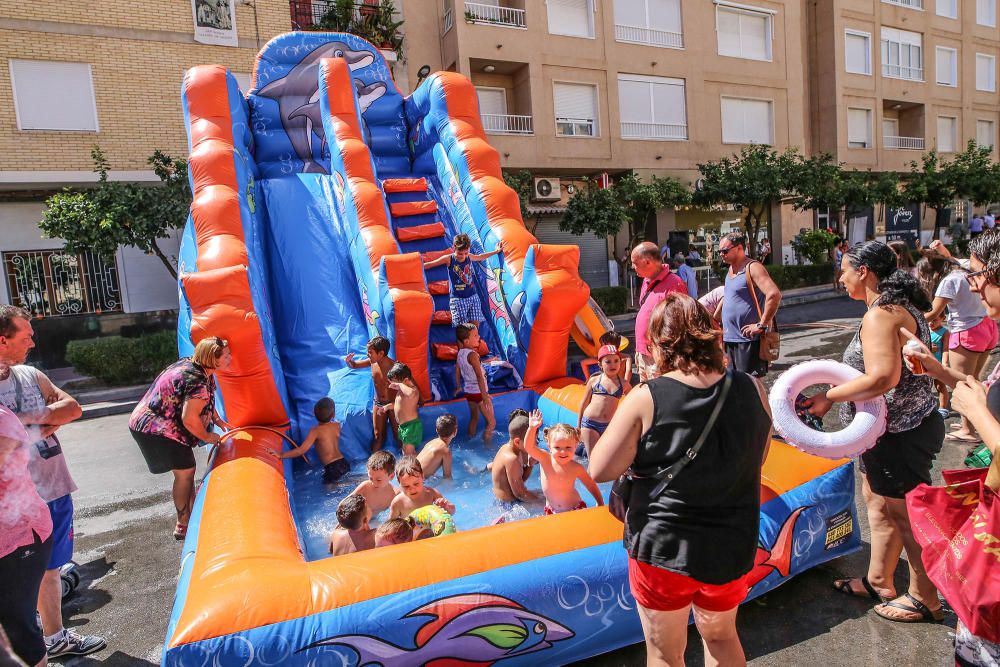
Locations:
{"points": [[297, 95], [368, 94], [475, 629]]}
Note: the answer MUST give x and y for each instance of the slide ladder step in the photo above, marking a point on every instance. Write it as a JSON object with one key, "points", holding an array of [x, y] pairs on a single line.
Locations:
{"points": [[404, 185], [431, 255], [441, 317], [404, 208], [449, 352], [431, 230], [438, 287]]}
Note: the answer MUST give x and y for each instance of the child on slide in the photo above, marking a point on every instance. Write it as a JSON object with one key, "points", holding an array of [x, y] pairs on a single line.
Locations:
{"points": [[559, 470], [463, 300], [600, 400], [470, 380]]}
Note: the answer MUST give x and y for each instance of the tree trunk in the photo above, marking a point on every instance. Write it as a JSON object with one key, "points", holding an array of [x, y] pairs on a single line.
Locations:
{"points": [[163, 258]]}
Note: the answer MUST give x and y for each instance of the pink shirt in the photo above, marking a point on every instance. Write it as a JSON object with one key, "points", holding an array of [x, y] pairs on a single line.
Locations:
{"points": [[659, 286], [22, 510]]}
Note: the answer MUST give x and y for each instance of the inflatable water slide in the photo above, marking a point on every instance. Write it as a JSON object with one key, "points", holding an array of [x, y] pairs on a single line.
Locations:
{"points": [[318, 196]]}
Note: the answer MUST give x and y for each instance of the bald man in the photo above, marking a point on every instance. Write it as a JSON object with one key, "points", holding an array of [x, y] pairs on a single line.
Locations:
{"points": [[657, 283]]}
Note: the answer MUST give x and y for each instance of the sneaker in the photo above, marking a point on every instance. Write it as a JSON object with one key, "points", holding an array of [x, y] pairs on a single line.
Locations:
{"points": [[73, 643]]}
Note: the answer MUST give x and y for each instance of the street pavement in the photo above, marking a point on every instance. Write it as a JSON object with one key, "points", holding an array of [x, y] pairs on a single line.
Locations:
{"points": [[129, 561]]}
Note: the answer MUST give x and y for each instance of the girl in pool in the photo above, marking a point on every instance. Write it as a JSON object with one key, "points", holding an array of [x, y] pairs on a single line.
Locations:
{"points": [[601, 398], [559, 470]]}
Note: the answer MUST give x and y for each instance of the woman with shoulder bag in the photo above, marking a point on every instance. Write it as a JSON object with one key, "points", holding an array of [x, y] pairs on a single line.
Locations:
{"points": [[694, 504]]}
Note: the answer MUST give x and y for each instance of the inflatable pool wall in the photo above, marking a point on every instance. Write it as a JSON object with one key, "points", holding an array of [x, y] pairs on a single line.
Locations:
{"points": [[285, 253]]}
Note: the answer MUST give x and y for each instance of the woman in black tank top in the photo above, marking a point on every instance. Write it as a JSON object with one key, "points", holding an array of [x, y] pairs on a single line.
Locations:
{"points": [[693, 544]]}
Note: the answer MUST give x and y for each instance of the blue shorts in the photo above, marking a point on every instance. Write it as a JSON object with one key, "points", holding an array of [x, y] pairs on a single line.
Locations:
{"points": [[61, 510], [465, 310]]}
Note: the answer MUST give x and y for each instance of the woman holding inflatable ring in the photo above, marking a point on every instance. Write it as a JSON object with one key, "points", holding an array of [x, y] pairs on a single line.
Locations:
{"points": [[902, 458]]}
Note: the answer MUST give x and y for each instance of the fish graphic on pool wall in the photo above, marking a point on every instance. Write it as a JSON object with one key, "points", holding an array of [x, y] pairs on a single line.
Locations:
{"points": [[475, 629], [297, 95]]}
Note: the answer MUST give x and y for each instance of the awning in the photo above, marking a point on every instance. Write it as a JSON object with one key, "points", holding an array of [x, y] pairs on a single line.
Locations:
{"points": [[546, 210]]}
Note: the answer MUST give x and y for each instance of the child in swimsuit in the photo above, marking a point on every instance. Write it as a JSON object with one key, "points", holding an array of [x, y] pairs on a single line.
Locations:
{"points": [[463, 300], [378, 490], [559, 470], [353, 532], [620, 343], [471, 380], [411, 430], [413, 493], [380, 362], [326, 436], [601, 398]]}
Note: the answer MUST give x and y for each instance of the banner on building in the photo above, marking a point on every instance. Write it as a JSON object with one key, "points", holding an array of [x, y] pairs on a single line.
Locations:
{"points": [[215, 22], [903, 224]]}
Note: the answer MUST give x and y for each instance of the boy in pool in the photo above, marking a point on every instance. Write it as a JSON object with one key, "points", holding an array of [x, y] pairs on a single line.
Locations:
{"points": [[600, 400], [413, 493], [378, 490], [410, 430], [437, 453], [470, 379], [380, 362], [463, 300], [353, 533], [559, 470], [326, 436], [512, 466], [394, 531]]}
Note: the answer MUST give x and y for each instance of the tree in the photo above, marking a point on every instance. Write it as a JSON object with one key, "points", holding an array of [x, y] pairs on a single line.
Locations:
{"points": [[820, 183], [932, 183], [114, 214], [975, 176], [754, 181], [523, 183]]}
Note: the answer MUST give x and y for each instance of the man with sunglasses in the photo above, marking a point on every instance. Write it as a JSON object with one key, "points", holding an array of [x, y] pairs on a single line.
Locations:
{"points": [[748, 307]]}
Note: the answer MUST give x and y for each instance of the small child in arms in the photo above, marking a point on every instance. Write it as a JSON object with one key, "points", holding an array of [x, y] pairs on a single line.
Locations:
{"points": [[559, 470], [411, 431], [394, 531], [512, 466], [463, 300], [471, 380], [437, 453], [380, 362], [353, 533], [600, 400], [378, 490], [326, 436], [413, 494]]}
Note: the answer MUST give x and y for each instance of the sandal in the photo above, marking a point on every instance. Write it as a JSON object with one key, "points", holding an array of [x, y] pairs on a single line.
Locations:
{"points": [[844, 586], [912, 605], [180, 531], [951, 437]]}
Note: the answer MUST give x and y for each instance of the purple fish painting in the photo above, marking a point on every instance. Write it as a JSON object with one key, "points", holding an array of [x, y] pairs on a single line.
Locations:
{"points": [[464, 630]]}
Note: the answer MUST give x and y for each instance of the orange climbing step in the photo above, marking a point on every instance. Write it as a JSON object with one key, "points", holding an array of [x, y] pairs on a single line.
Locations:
{"points": [[431, 230], [431, 255], [405, 185], [449, 352], [438, 287], [402, 208], [441, 317]]}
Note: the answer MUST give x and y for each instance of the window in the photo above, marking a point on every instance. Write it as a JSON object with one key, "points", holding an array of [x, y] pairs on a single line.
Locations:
{"points": [[743, 32], [652, 22], [913, 4], [859, 128], [902, 54], [53, 95], [986, 13], [652, 107], [747, 121], [858, 52], [947, 134], [574, 18], [576, 109], [52, 282], [947, 66], [947, 8], [986, 73], [985, 133]]}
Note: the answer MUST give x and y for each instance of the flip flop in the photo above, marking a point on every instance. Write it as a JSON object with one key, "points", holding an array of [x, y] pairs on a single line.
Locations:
{"points": [[844, 586], [913, 605], [180, 531], [951, 437]]}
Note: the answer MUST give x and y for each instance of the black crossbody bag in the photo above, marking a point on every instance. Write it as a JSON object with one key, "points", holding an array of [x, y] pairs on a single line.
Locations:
{"points": [[621, 490]]}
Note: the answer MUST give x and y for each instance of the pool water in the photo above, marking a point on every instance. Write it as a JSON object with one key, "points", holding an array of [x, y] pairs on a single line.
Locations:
{"points": [[471, 490]]}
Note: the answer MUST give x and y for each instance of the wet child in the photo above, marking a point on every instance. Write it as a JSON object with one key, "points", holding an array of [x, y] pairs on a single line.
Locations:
{"points": [[512, 466], [380, 362], [463, 300], [410, 430], [559, 470], [437, 453], [939, 343], [326, 436], [394, 531], [600, 400], [378, 490], [620, 343], [353, 533], [471, 380], [413, 493]]}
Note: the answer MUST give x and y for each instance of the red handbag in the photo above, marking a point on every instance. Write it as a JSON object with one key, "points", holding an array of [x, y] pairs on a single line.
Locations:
{"points": [[958, 526]]}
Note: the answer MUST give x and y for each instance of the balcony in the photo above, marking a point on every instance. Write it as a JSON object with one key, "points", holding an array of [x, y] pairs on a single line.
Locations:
{"points": [[374, 20], [903, 143], [903, 126], [649, 36], [504, 91], [508, 17], [660, 131], [447, 21], [495, 123], [902, 72]]}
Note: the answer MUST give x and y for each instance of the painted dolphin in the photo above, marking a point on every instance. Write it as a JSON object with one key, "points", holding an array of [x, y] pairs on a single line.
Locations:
{"points": [[475, 629], [297, 95]]}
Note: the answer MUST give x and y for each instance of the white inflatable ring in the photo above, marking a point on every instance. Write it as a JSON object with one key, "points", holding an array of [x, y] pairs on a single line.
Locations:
{"points": [[858, 436]]}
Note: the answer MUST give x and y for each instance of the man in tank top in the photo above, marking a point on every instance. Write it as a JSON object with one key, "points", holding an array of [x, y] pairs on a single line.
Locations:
{"points": [[745, 314]]}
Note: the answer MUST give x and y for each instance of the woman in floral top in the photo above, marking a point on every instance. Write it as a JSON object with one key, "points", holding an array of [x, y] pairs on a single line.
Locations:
{"points": [[175, 415]]}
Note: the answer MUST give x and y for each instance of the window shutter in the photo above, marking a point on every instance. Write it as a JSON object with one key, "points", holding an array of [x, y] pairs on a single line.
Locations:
{"points": [[492, 101], [758, 121], [985, 72], [753, 36], [728, 26], [634, 101], [946, 134], [668, 103], [946, 66], [574, 100], [859, 126], [570, 17], [53, 95], [984, 133], [856, 54], [630, 12], [663, 14]]}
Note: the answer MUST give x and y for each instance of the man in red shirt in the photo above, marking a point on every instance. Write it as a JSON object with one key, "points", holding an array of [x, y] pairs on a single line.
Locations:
{"points": [[657, 283]]}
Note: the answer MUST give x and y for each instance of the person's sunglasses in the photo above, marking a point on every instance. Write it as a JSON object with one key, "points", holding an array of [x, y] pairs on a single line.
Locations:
{"points": [[723, 251]]}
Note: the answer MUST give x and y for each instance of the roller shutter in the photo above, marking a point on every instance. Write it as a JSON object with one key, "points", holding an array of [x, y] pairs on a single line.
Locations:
{"points": [[593, 251]]}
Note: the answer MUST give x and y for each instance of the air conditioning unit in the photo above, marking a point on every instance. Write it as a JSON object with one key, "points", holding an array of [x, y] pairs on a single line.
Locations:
{"points": [[547, 189]]}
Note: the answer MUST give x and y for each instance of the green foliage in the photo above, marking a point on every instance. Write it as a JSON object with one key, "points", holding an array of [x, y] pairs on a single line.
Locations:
{"points": [[612, 300], [123, 361], [523, 183], [931, 182], [820, 183], [375, 22], [113, 214], [791, 276], [814, 244], [974, 174]]}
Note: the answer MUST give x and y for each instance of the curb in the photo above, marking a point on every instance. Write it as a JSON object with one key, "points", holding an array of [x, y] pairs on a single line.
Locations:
{"points": [[107, 409]]}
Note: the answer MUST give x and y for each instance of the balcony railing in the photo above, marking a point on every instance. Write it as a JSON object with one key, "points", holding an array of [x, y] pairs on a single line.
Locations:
{"points": [[574, 127], [448, 22], [501, 123], [913, 4], [901, 72], [903, 143], [510, 17], [649, 36], [662, 131]]}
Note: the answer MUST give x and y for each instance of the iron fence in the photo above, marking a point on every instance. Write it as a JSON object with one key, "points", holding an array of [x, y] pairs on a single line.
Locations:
{"points": [[52, 283]]}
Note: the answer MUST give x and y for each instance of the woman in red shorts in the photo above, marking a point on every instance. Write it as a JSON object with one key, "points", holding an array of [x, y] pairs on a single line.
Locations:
{"points": [[691, 546]]}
